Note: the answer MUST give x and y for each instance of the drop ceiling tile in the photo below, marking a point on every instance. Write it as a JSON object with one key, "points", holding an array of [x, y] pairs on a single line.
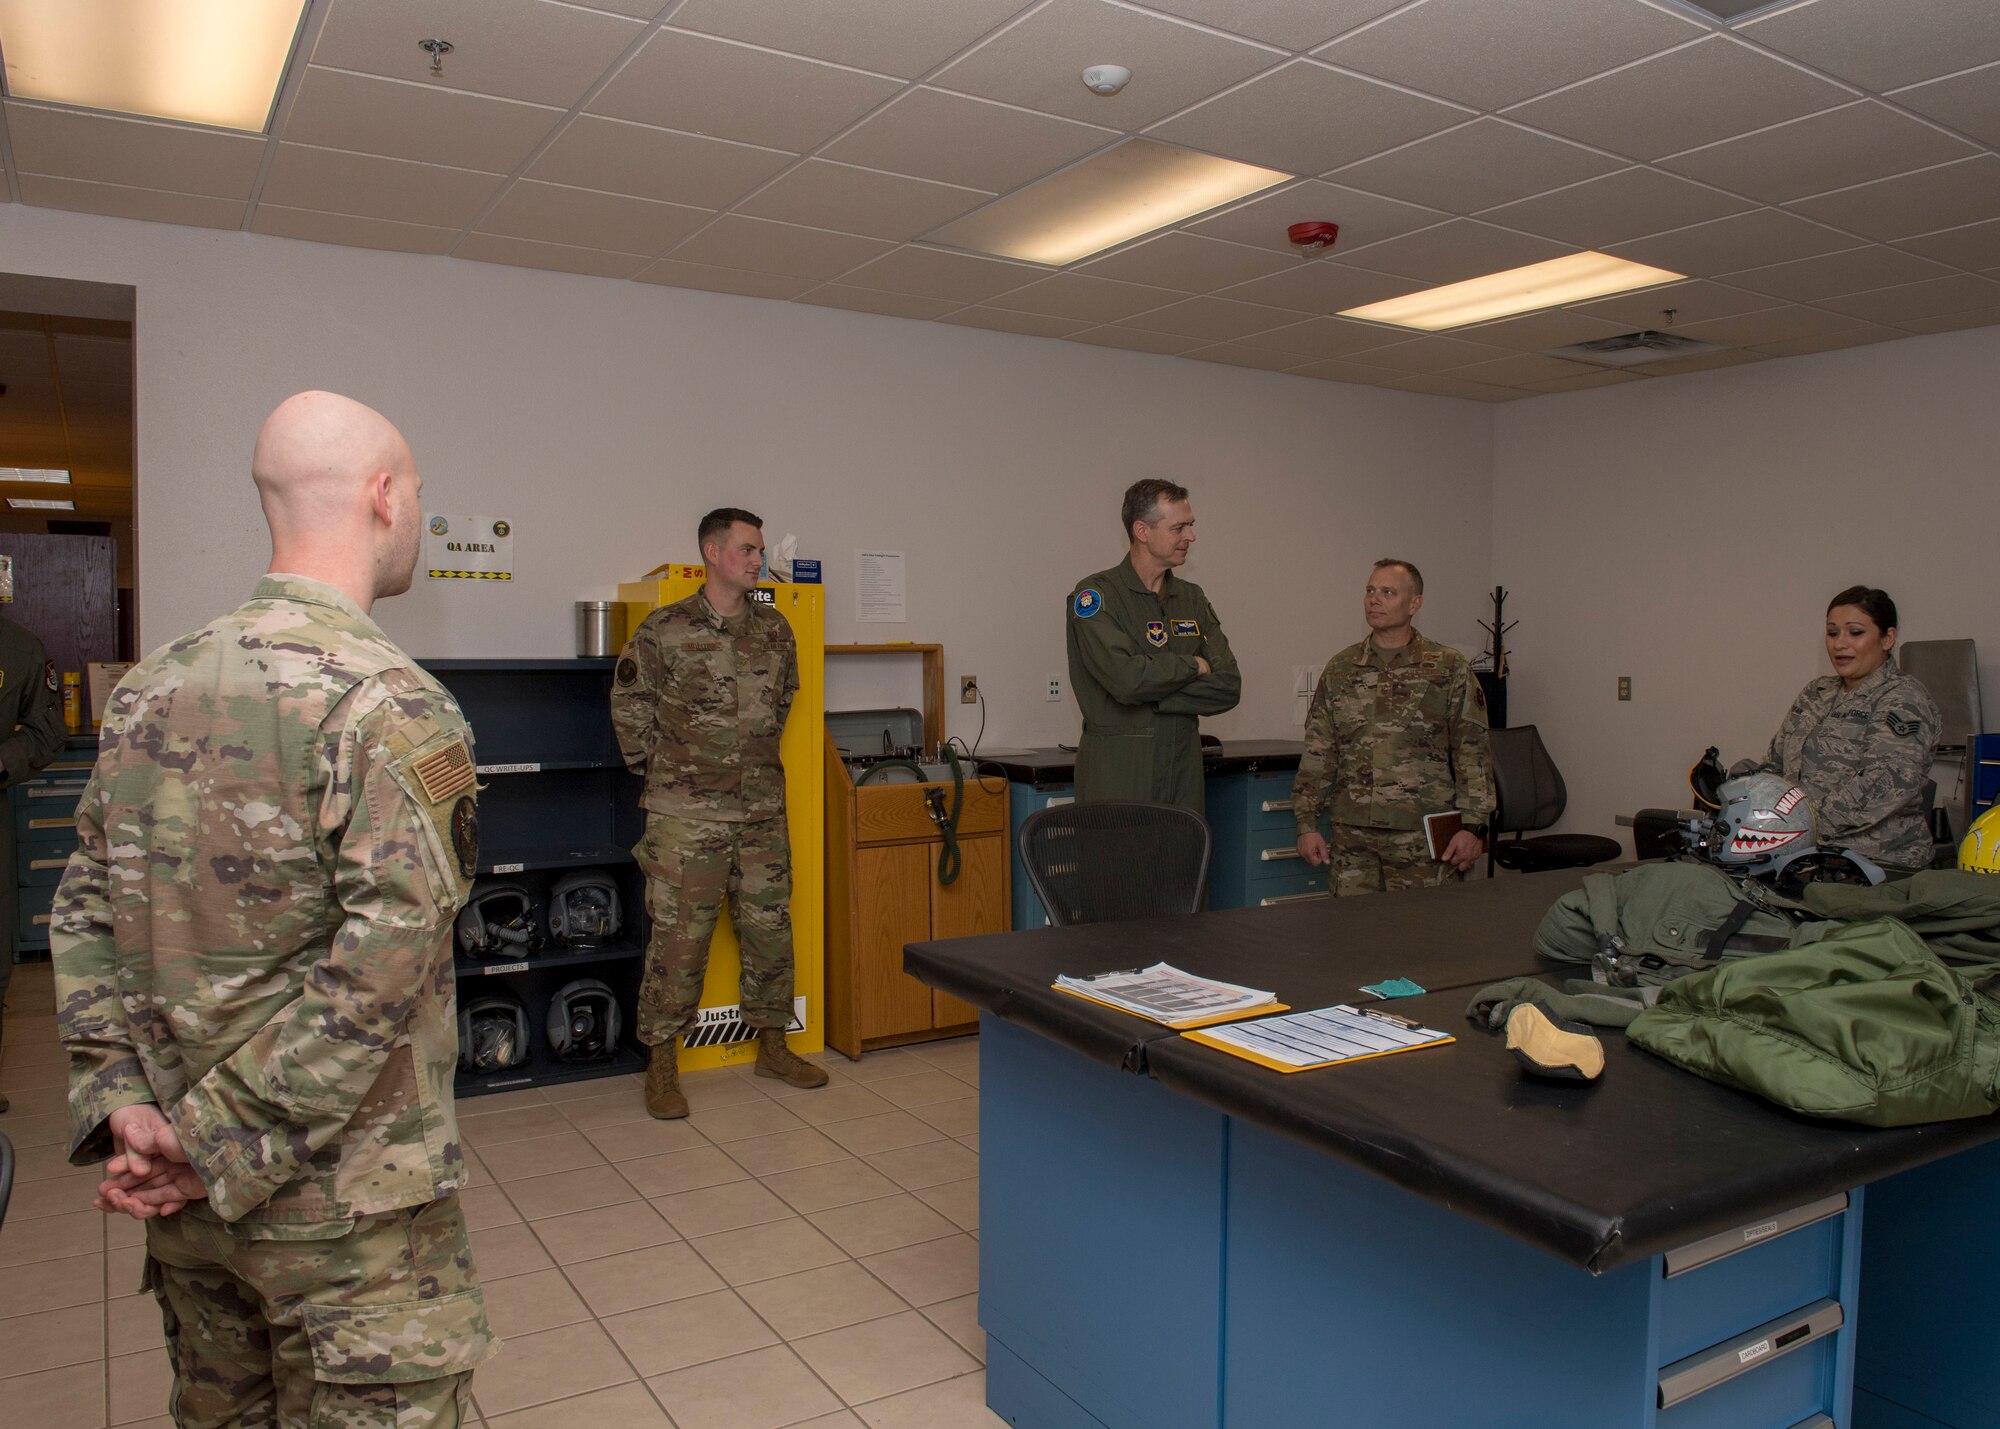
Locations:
{"points": [[1833, 342], [937, 273], [585, 218], [69, 144], [1237, 355], [1726, 245], [1690, 303], [1923, 202], [1189, 263], [635, 9], [1339, 370], [1533, 332], [1026, 324], [1213, 319], [542, 52], [1489, 56], [1968, 102], [899, 37], [1292, 24], [787, 249], [1704, 362], [1854, 271], [725, 90], [1363, 217], [1263, 121], [1325, 338], [118, 201], [1955, 322], [1711, 90], [401, 120], [330, 181], [1462, 248], [349, 231], [1433, 354], [863, 201], [1881, 44], [1318, 285], [1786, 324], [615, 157], [1448, 386], [1830, 150], [1133, 340], [1520, 370], [1617, 207], [1072, 295], [675, 274], [867, 300], [558, 257], [1605, 378], [947, 137], [1976, 245], [1035, 64], [1476, 166], [1898, 306]]}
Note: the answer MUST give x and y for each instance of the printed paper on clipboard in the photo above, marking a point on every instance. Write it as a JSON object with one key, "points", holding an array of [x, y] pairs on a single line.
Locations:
{"points": [[1164, 994], [1327, 1037]]}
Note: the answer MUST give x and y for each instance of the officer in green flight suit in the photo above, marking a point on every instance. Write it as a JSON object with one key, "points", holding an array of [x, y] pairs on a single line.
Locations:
{"points": [[1147, 658]]}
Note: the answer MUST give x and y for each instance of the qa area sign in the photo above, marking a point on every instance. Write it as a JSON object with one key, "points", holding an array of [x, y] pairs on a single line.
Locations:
{"points": [[468, 548]]}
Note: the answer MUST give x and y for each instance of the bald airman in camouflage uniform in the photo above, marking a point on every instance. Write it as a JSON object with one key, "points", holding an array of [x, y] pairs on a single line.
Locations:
{"points": [[699, 700], [253, 969], [1397, 730]]}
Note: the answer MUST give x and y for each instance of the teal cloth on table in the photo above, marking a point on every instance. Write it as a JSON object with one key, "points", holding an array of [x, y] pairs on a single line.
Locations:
{"points": [[1394, 987]]}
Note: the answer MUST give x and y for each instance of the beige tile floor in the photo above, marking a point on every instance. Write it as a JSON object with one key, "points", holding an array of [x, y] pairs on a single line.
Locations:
{"points": [[779, 1258]]}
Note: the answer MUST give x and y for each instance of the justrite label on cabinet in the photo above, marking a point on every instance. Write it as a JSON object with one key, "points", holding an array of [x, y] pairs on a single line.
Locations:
{"points": [[510, 768]]}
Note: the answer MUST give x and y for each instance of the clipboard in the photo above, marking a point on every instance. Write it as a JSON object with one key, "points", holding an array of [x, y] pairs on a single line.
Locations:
{"points": [[1365, 1036], [1239, 1015]]}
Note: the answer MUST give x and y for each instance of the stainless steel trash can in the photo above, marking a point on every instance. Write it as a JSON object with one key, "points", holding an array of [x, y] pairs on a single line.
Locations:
{"points": [[600, 627]]}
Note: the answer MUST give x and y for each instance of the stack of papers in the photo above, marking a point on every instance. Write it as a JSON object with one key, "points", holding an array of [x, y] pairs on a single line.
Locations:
{"points": [[1163, 993], [1320, 1039]]}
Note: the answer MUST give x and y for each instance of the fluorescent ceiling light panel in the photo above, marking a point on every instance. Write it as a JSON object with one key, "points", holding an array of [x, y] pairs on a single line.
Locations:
{"points": [[1575, 279], [53, 476], [216, 62], [1138, 187], [35, 503]]}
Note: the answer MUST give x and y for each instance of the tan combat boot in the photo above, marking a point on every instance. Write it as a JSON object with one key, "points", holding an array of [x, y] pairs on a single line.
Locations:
{"points": [[664, 1099], [775, 1059]]}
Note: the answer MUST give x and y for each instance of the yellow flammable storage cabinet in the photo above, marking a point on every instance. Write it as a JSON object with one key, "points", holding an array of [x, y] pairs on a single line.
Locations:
{"points": [[718, 1036]]}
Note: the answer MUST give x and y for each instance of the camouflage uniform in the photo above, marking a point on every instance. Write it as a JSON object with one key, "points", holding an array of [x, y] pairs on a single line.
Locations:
{"points": [[700, 704], [1131, 666], [254, 933], [1862, 755], [31, 734], [1391, 736]]}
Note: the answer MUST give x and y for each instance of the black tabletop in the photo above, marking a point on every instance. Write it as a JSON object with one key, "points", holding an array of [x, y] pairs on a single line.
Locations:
{"points": [[1601, 1174], [1054, 768]]}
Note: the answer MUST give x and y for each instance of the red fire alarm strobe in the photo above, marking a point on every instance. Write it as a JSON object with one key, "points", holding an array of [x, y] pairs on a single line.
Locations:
{"points": [[1311, 236]]}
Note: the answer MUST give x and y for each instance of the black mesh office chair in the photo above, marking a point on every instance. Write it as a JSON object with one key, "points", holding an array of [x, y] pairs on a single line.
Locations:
{"points": [[1532, 796], [6, 1174], [1099, 863]]}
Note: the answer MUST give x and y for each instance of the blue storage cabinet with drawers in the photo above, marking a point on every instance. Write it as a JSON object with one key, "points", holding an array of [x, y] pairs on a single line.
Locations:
{"points": [[1985, 772], [44, 833]]}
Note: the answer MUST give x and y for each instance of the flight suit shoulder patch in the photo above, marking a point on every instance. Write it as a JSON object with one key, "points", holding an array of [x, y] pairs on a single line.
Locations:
{"points": [[1086, 603]]}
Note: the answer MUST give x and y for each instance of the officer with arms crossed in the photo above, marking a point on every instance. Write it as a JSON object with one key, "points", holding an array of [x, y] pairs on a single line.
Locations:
{"points": [[1147, 657], [1860, 741], [1397, 730], [31, 734], [699, 702], [253, 968]]}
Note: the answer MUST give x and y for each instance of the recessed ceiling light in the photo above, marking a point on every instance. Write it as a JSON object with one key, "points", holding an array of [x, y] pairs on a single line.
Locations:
{"points": [[53, 476], [216, 62], [35, 503], [1140, 186], [1574, 279]]}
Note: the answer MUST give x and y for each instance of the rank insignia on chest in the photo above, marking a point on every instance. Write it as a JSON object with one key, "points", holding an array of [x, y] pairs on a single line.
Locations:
{"points": [[1086, 603], [1187, 627], [1156, 633]]}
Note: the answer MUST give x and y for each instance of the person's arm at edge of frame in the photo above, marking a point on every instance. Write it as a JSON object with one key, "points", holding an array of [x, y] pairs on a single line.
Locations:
{"points": [[39, 737], [635, 707], [1471, 768], [1309, 784]]}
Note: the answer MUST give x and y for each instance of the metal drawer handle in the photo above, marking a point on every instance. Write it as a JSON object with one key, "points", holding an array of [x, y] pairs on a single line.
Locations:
{"points": [[1291, 898], [1683, 1379], [41, 920], [48, 863], [52, 823], [1710, 1249], [59, 791], [1277, 806], [1277, 855]]}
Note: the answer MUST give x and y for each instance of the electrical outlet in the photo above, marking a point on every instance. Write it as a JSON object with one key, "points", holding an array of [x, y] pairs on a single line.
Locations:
{"points": [[1624, 687], [968, 689], [1055, 688]]}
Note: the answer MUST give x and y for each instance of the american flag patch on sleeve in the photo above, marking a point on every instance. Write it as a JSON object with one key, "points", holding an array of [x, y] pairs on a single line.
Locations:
{"points": [[447, 772]]}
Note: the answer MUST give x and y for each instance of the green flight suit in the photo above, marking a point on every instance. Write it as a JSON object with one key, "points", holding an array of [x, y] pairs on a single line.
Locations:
{"points": [[1132, 666]]}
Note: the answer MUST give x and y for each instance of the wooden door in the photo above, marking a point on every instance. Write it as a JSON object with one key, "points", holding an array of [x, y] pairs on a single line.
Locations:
{"points": [[892, 907], [66, 592], [975, 903]]}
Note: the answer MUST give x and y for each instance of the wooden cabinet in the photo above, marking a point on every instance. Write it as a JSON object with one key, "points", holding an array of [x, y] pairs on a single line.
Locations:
{"points": [[882, 892]]}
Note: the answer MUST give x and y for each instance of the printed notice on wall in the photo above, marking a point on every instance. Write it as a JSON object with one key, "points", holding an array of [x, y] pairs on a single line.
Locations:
{"points": [[878, 588], [468, 548]]}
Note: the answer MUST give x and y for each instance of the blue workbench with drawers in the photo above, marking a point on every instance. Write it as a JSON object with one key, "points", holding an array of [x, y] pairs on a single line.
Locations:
{"points": [[43, 830]]}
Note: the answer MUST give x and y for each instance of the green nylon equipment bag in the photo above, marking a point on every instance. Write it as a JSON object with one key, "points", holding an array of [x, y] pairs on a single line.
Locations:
{"points": [[1866, 1024]]}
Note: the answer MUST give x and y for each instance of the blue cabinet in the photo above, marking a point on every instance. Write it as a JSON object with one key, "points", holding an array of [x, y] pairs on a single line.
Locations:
{"points": [[42, 827], [1256, 859], [1985, 772]]}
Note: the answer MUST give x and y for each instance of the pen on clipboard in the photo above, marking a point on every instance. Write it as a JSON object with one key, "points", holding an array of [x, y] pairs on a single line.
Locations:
{"points": [[1408, 1024], [1118, 972]]}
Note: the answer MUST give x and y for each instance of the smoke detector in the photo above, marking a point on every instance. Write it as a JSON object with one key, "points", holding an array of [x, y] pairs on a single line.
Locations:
{"points": [[1633, 349], [1106, 79]]}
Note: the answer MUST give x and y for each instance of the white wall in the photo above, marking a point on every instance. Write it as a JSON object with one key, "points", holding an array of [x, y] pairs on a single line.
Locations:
{"points": [[602, 418], [1689, 532]]}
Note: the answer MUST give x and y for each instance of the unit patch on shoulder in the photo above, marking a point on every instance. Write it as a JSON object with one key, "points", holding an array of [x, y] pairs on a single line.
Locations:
{"points": [[1085, 603], [49, 677], [445, 772], [465, 835], [1187, 627], [1904, 727], [628, 671], [1156, 633]]}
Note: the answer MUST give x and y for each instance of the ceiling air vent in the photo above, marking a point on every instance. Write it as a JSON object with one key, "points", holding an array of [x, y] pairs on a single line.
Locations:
{"points": [[1630, 349]]}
